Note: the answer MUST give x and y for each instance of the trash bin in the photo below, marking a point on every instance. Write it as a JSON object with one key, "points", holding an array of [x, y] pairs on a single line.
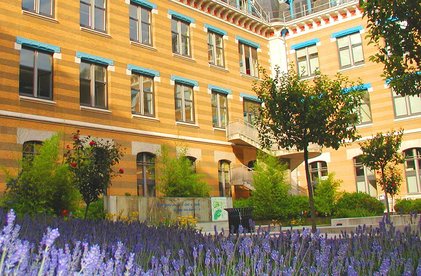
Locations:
{"points": [[239, 216]]}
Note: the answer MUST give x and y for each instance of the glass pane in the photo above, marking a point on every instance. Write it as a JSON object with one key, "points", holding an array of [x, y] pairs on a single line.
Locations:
{"points": [[361, 186], [412, 183], [219, 57], [133, 11], [302, 66], [146, 33], [357, 53], [99, 19], [145, 15], [178, 110], [133, 30], [147, 84], [359, 170], [344, 57], [175, 47], [85, 72], [28, 5], [355, 38], [26, 81], [184, 29], [100, 3], [189, 111], [343, 42], [100, 95], [187, 93], [45, 84], [135, 101], [314, 63], [365, 113], [410, 165], [148, 100], [301, 53], [84, 15], [44, 62], [185, 45], [312, 50], [174, 26], [218, 40], [85, 93], [415, 104], [99, 73], [27, 58], [45, 7], [215, 121], [400, 106], [210, 54]]}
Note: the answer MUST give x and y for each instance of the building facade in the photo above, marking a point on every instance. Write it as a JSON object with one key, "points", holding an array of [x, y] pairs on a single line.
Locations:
{"points": [[179, 73]]}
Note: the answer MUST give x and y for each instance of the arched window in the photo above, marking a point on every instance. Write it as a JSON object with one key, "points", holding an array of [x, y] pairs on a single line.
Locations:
{"points": [[413, 169], [224, 177], [251, 164], [364, 177], [145, 174], [192, 162], [30, 149], [318, 169]]}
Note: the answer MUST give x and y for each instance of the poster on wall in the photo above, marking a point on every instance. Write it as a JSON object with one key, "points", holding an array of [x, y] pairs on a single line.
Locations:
{"points": [[218, 206]]}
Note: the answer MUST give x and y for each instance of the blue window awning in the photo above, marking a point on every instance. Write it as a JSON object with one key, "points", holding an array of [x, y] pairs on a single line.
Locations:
{"points": [[305, 44], [362, 87], [250, 97], [94, 59], [219, 89], [185, 81], [144, 3], [37, 45], [215, 30], [347, 32], [143, 71], [181, 17], [248, 42]]}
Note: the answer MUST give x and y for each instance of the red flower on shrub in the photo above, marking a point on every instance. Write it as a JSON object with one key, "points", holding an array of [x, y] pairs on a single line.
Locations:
{"points": [[92, 143], [121, 170], [73, 164], [68, 147]]}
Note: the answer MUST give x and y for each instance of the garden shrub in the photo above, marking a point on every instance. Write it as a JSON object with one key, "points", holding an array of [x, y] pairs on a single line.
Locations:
{"points": [[95, 211], [407, 206], [326, 194], [177, 177], [297, 207], [242, 203], [358, 205], [43, 184], [271, 188]]}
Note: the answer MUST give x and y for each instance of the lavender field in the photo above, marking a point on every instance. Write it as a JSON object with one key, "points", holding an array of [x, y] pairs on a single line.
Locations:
{"points": [[53, 246]]}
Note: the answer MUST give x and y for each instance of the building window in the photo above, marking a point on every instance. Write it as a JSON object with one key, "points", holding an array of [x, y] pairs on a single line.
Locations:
{"points": [[413, 169], [364, 177], [216, 49], [30, 149], [36, 74], [250, 112], [406, 106], [350, 50], [184, 105], [180, 32], [307, 61], [42, 7], [364, 111], [224, 178], [140, 24], [145, 173], [92, 14], [192, 161], [142, 94], [248, 60], [318, 170], [93, 85], [219, 110]]}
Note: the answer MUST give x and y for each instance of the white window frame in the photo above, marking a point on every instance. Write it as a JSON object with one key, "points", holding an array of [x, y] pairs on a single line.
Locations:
{"points": [[213, 48], [254, 70], [320, 169], [92, 84], [350, 48], [183, 103], [141, 97], [139, 24], [179, 47], [365, 101], [406, 102], [416, 172], [368, 178], [92, 14], [36, 8], [219, 108], [308, 69]]}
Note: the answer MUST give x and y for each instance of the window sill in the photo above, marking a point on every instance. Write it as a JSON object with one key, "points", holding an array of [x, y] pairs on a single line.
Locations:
{"points": [[145, 46], [249, 76], [218, 67], [219, 129], [95, 109], [91, 31], [36, 100], [364, 125], [410, 117], [351, 67], [40, 16], [187, 124], [138, 116], [184, 57]]}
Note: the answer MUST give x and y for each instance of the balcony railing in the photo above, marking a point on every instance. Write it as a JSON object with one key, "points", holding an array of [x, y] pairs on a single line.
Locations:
{"points": [[301, 9], [250, 7]]}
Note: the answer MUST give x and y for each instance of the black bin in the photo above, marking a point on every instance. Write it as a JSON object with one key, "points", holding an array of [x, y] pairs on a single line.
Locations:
{"points": [[239, 216]]}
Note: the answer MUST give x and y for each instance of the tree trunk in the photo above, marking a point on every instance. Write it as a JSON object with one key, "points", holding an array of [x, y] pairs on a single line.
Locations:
{"points": [[86, 210], [385, 195], [310, 191]]}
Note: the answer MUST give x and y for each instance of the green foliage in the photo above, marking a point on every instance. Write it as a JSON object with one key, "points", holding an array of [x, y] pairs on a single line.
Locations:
{"points": [[177, 177], [394, 27], [271, 188], [95, 212], [326, 194], [91, 163], [358, 205], [297, 113], [297, 207], [43, 185], [380, 154], [407, 206], [242, 203]]}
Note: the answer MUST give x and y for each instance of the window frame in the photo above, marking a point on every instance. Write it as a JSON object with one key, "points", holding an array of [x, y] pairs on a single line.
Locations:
{"points": [[92, 8], [33, 146], [35, 72], [407, 103], [219, 114], [146, 161], [350, 47], [142, 93], [310, 73], [213, 48], [319, 167], [368, 177], [140, 23], [248, 114], [365, 101], [179, 35], [223, 174], [254, 69], [416, 171], [183, 103], [92, 84], [36, 8]]}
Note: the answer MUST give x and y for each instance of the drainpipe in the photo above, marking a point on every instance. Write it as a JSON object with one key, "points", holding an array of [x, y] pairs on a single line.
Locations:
{"points": [[291, 8], [309, 7]]}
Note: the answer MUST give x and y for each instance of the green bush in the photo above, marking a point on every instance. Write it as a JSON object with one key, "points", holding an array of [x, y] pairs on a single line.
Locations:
{"points": [[43, 184], [406, 206], [269, 199], [95, 211], [358, 205], [241, 203], [326, 195]]}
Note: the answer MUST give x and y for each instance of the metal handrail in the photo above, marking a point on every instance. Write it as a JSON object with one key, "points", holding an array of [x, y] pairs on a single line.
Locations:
{"points": [[255, 9]]}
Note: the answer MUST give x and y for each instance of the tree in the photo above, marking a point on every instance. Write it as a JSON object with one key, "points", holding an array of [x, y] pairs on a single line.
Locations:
{"points": [[394, 28], [177, 177], [91, 163], [43, 184], [271, 188], [380, 153], [326, 194], [297, 113]]}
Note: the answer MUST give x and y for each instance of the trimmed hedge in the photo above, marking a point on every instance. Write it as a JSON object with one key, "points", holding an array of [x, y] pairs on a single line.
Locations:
{"points": [[407, 206], [358, 205]]}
